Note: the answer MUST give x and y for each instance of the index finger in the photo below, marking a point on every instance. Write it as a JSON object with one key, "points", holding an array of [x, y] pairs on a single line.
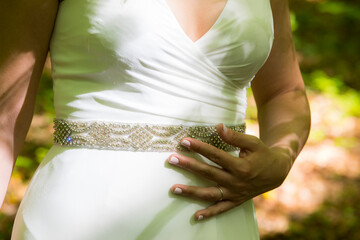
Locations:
{"points": [[213, 153], [238, 139]]}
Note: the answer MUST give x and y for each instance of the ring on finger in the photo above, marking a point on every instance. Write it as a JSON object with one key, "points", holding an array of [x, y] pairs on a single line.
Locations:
{"points": [[221, 192]]}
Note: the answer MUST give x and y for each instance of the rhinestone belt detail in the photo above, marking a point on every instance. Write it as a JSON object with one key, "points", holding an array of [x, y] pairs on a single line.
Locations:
{"points": [[136, 136]]}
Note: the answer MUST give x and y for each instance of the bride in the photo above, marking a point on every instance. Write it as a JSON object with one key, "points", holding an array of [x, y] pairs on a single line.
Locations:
{"points": [[150, 98]]}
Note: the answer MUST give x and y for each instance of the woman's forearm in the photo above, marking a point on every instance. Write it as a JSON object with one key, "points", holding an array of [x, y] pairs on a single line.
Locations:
{"points": [[21, 65], [284, 122], [6, 167]]}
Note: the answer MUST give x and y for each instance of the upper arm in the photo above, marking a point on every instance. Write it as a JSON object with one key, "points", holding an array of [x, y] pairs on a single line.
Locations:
{"points": [[25, 30], [281, 72]]}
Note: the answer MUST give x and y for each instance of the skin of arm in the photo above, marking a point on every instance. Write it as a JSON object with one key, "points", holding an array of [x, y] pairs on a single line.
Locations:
{"points": [[284, 122], [25, 30], [283, 108]]}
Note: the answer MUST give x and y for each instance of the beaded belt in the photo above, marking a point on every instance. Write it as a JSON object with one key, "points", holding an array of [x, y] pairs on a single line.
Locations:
{"points": [[136, 136]]}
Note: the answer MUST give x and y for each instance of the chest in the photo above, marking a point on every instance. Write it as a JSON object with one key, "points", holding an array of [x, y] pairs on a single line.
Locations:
{"points": [[232, 36], [196, 17]]}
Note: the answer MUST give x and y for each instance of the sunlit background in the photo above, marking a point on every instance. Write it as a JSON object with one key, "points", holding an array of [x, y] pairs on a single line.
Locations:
{"points": [[320, 199]]}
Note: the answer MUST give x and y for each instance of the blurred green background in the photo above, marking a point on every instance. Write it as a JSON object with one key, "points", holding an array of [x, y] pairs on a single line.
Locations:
{"points": [[320, 198]]}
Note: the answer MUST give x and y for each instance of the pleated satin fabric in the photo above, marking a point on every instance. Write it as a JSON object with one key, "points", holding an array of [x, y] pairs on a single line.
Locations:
{"points": [[130, 61]]}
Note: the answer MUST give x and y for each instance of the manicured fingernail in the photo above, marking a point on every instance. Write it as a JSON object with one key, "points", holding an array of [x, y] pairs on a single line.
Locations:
{"points": [[185, 143], [174, 160], [178, 190], [200, 217], [224, 128]]}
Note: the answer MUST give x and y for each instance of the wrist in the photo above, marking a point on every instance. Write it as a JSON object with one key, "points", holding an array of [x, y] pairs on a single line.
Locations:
{"points": [[284, 154]]}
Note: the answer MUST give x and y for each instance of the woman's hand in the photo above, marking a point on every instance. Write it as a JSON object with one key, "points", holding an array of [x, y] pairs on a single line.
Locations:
{"points": [[258, 169]]}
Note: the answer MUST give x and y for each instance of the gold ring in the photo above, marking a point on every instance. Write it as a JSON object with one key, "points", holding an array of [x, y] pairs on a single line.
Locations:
{"points": [[221, 192]]}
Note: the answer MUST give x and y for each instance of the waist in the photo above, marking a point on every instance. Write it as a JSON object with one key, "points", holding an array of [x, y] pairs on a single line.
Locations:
{"points": [[136, 136]]}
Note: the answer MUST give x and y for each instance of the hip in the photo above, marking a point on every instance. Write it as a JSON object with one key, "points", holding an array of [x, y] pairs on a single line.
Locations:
{"points": [[120, 193]]}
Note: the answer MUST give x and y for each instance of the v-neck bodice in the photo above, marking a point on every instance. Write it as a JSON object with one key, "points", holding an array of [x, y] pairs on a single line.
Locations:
{"points": [[129, 60], [178, 25]]}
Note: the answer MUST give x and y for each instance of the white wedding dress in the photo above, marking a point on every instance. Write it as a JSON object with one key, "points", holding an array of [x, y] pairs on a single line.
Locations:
{"points": [[130, 61]]}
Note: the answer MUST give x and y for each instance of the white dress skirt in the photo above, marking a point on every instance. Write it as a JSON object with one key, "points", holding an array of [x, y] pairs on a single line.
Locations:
{"points": [[129, 61]]}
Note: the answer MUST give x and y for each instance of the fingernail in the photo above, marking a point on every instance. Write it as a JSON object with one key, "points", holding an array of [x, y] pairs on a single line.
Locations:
{"points": [[178, 190], [224, 128], [200, 217], [185, 143], [174, 160]]}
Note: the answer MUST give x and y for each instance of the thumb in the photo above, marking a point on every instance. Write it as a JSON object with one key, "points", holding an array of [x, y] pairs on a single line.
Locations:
{"points": [[237, 138]]}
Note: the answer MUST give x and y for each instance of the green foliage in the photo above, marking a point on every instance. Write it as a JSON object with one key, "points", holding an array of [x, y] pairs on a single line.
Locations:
{"points": [[318, 135], [340, 8], [346, 97], [346, 142], [326, 34], [40, 153], [45, 98], [294, 23], [24, 162], [5, 226], [327, 85]]}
